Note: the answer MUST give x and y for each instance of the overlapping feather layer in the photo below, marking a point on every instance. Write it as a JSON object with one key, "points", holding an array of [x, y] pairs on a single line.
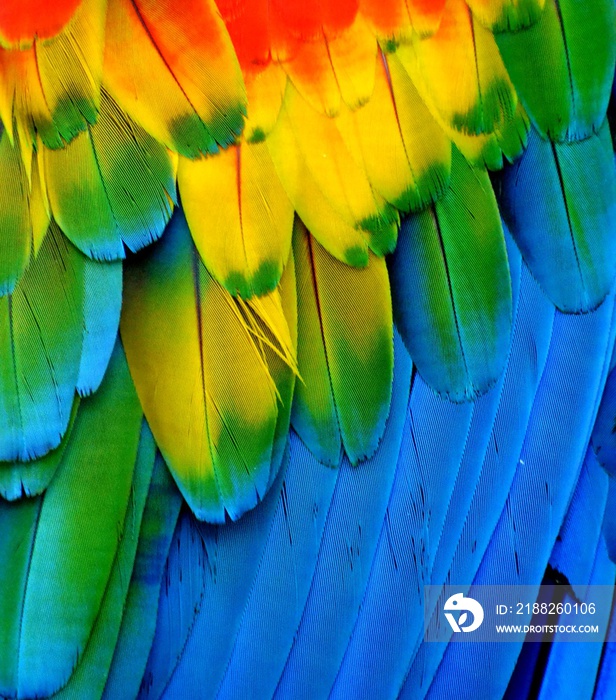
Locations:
{"points": [[280, 152]]}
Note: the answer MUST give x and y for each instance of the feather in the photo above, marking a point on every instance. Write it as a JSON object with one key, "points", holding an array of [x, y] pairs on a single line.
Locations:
{"points": [[575, 552], [389, 19], [333, 231], [609, 518], [276, 600], [101, 319], [352, 54], [409, 532], [19, 479], [559, 201], [18, 522], [216, 435], [428, 506], [202, 599], [345, 353], [604, 434], [296, 547], [459, 73], [583, 656], [277, 559], [40, 339], [336, 173], [239, 216], [349, 541], [181, 592], [265, 91], [406, 155], [507, 15], [54, 86], [499, 425], [23, 215], [564, 87], [113, 186], [451, 287], [581, 557], [393, 21], [89, 678], [74, 538], [334, 68], [549, 465], [606, 677], [138, 621], [21, 21], [174, 72]]}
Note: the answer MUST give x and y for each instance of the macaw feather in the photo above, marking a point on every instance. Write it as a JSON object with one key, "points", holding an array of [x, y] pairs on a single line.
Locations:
{"points": [[563, 86], [460, 74], [53, 87], [112, 187], [452, 288], [23, 217], [71, 537], [239, 216], [214, 426], [345, 352], [19, 479], [41, 340], [21, 22], [175, 73], [557, 211]]}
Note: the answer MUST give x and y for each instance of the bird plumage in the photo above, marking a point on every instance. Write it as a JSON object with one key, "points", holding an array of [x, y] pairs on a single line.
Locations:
{"points": [[303, 307]]}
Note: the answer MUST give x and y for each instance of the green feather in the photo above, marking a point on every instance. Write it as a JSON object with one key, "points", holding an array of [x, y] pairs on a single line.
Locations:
{"points": [[18, 479], [451, 287], [563, 66], [88, 680], [76, 538], [345, 352], [41, 331], [112, 186], [15, 217], [200, 362]]}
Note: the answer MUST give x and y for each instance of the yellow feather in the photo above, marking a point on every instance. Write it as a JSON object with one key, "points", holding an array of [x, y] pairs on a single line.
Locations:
{"points": [[427, 147], [201, 364], [372, 135], [239, 215], [506, 15], [352, 54], [459, 73], [337, 173], [70, 66], [265, 90], [334, 232]]}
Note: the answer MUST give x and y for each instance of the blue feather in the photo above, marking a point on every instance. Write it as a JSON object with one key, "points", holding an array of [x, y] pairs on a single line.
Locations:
{"points": [[274, 608], [582, 656], [209, 577], [604, 433], [349, 542], [101, 317], [550, 460], [574, 553], [609, 519], [563, 220], [605, 688], [139, 618]]}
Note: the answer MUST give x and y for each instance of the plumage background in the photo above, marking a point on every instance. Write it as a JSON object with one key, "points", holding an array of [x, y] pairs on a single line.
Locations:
{"points": [[304, 306]]}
